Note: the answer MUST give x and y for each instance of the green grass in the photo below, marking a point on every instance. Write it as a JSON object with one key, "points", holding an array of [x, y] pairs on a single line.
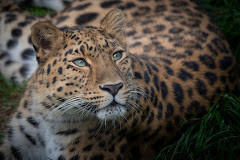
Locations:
{"points": [[214, 136], [35, 10], [9, 89]]}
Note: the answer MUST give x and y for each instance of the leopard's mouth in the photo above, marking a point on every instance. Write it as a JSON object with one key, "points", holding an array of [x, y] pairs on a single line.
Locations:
{"points": [[114, 103], [112, 111]]}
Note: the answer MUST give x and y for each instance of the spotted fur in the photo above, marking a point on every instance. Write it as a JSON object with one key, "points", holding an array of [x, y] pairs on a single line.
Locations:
{"points": [[174, 64], [56, 5]]}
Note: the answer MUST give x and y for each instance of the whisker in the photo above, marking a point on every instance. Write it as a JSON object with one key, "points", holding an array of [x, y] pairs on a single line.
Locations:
{"points": [[124, 117], [99, 128], [119, 122], [68, 104], [105, 123], [68, 107], [133, 107], [135, 104]]}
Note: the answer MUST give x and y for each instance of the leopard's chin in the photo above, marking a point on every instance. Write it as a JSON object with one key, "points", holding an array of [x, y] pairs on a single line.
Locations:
{"points": [[111, 112]]}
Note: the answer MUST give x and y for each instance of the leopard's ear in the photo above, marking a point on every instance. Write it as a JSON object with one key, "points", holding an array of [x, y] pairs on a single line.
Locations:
{"points": [[115, 24], [46, 39]]}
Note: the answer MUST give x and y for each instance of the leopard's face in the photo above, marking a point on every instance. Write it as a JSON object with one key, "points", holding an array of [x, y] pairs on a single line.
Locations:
{"points": [[88, 75], [91, 75]]}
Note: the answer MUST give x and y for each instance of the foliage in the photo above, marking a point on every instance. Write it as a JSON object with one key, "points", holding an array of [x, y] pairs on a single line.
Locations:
{"points": [[35, 10], [214, 136]]}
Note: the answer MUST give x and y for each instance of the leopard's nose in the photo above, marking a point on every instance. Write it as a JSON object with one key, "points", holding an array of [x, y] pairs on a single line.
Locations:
{"points": [[112, 88]]}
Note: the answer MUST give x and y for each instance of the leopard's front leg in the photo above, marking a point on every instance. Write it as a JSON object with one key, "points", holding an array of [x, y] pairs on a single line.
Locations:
{"points": [[23, 138], [100, 146]]}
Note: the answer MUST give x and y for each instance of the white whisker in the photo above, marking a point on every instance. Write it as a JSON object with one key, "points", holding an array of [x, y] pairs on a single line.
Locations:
{"points": [[99, 128]]}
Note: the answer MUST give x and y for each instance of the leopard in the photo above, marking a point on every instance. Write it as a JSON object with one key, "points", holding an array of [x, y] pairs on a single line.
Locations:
{"points": [[121, 90], [18, 60]]}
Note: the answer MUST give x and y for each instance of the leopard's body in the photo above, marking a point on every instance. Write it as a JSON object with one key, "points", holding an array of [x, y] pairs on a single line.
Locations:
{"points": [[57, 5], [174, 62]]}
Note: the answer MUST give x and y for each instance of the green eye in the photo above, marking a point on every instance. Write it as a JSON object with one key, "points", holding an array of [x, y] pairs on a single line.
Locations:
{"points": [[117, 55], [80, 62]]}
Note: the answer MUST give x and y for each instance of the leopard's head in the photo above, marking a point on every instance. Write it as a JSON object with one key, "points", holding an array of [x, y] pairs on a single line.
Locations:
{"points": [[84, 72]]}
